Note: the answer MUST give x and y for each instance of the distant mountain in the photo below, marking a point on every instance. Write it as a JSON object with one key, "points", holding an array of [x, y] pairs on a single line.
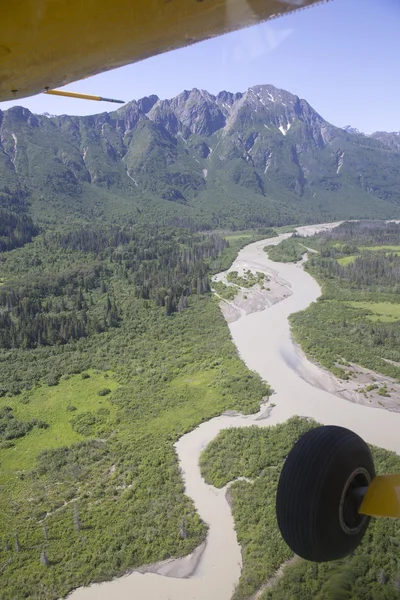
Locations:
{"points": [[392, 140], [351, 129], [247, 159]]}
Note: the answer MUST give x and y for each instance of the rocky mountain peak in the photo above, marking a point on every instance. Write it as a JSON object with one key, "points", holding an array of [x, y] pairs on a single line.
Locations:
{"points": [[146, 104], [269, 94], [351, 129], [195, 111], [227, 98]]}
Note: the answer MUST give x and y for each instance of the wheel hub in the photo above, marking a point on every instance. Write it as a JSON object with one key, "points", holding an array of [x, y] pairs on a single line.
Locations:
{"points": [[351, 521]]}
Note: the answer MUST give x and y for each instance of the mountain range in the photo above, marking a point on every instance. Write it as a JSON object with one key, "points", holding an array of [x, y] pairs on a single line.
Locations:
{"points": [[250, 159]]}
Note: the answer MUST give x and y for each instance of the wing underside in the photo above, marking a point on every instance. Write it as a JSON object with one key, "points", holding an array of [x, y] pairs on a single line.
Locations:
{"points": [[48, 43]]}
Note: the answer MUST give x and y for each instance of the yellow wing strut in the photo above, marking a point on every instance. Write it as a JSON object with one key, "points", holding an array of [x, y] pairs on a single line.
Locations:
{"points": [[82, 96], [383, 497]]}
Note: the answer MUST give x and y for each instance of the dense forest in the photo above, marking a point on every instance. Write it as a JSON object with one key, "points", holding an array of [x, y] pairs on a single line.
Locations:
{"points": [[15, 230], [363, 232], [55, 308], [367, 272], [16, 225], [166, 266], [372, 572], [112, 348], [357, 318]]}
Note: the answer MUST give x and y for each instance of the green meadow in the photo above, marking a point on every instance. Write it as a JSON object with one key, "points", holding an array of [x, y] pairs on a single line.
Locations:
{"points": [[387, 312]]}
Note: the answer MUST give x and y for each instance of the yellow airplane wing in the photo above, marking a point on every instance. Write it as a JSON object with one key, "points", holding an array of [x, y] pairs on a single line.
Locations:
{"points": [[48, 43]]}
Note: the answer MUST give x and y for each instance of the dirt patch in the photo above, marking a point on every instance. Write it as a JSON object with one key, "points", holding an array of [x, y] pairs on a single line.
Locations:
{"points": [[173, 567], [372, 389], [229, 310]]}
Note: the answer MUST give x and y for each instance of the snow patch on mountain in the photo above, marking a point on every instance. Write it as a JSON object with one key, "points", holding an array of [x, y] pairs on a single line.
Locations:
{"points": [[283, 129]]}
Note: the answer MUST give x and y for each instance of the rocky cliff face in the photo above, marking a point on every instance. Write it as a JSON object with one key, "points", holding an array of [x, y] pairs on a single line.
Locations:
{"points": [[265, 147]]}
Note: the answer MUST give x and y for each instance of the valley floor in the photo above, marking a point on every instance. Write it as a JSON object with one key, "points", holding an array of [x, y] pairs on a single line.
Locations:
{"points": [[264, 343]]}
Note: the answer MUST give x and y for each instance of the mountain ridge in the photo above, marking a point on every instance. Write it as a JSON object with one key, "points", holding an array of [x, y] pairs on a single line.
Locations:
{"points": [[256, 158]]}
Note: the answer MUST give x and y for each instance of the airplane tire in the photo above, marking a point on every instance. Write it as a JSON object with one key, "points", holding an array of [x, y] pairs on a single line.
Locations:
{"points": [[317, 510]]}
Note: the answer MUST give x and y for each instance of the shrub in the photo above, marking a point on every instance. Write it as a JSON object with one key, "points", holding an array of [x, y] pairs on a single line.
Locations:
{"points": [[85, 423], [104, 392], [383, 391]]}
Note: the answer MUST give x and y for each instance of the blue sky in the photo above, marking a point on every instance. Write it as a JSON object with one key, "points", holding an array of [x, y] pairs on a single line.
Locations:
{"points": [[343, 57]]}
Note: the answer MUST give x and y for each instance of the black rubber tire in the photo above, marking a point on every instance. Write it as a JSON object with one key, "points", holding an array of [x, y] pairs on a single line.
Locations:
{"points": [[310, 489]]}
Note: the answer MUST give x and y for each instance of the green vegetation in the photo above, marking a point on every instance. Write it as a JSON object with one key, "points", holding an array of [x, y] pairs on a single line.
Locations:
{"points": [[11, 428], [347, 260], [224, 260], [382, 391], [289, 250], [89, 478], [233, 237], [267, 232], [374, 234], [227, 292], [372, 572], [286, 229], [246, 236], [357, 319], [371, 387], [330, 331], [394, 249], [382, 311], [52, 404], [16, 226], [248, 279], [258, 454]]}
